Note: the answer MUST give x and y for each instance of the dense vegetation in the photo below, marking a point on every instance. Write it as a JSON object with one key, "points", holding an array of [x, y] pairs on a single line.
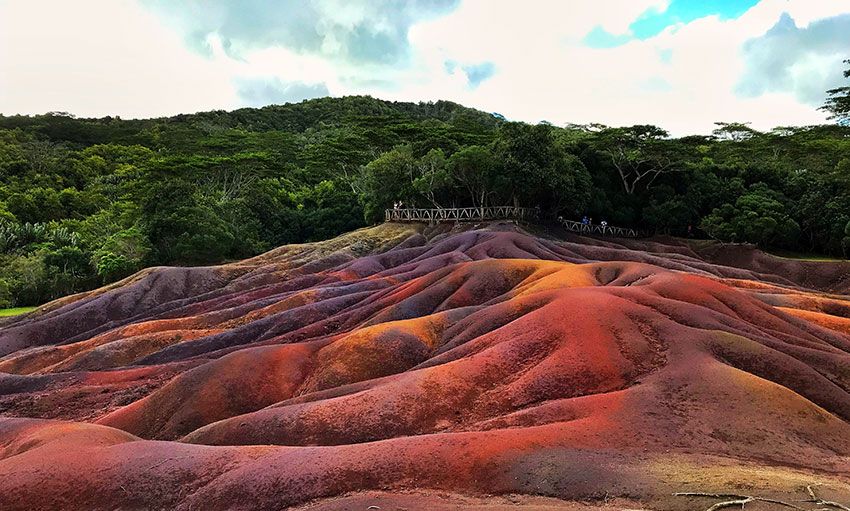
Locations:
{"points": [[89, 201]]}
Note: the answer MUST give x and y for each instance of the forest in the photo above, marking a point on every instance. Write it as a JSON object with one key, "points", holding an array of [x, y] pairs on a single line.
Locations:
{"points": [[84, 202]]}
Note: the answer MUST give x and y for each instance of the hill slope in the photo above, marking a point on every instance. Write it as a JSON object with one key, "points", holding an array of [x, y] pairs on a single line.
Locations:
{"points": [[452, 364]]}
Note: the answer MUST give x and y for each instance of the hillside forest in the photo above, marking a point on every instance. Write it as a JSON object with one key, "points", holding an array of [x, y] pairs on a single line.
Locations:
{"points": [[85, 202]]}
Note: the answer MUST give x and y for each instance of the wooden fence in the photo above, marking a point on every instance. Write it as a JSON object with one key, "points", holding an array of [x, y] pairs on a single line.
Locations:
{"points": [[607, 230], [434, 215]]}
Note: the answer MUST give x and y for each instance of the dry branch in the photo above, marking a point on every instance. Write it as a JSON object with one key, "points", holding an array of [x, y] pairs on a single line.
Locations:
{"points": [[820, 502], [734, 500]]}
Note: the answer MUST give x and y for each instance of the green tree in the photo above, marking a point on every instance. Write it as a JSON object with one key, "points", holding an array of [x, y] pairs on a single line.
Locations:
{"points": [[734, 131], [536, 171], [845, 243], [671, 215], [67, 269], [122, 254], [473, 169], [213, 186], [759, 216], [387, 179], [639, 154], [7, 298], [838, 102], [27, 278], [433, 181], [6, 215], [190, 234]]}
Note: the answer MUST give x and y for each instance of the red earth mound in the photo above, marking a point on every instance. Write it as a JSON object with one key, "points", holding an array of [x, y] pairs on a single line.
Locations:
{"points": [[435, 368]]}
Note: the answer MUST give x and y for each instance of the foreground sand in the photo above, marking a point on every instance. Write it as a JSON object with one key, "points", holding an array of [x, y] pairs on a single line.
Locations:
{"points": [[436, 368]]}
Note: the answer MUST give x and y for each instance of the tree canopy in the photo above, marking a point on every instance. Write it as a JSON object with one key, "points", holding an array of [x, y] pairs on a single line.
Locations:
{"points": [[87, 201], [838, 102]]}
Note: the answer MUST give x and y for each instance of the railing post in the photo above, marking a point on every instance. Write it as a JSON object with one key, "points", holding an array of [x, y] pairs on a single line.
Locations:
{"points": [[482, 213]]}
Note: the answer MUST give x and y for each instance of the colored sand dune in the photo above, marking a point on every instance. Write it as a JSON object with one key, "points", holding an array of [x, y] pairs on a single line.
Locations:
{"points": [[425, 367]]}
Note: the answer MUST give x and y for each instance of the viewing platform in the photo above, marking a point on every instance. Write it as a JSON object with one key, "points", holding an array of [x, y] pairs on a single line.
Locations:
{"points": [[603, 230], [435, 215]]}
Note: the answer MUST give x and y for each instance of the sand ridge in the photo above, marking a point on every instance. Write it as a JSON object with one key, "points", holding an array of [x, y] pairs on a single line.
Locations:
{"points": [[407, 358]]}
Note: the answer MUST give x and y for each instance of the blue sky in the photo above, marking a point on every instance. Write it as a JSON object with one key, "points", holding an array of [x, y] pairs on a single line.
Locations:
{"points": [[681, 64], [654, 21]]}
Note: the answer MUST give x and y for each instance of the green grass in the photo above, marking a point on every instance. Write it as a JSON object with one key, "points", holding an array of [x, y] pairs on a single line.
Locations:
{"points": [[801, 256], [15, 311]]}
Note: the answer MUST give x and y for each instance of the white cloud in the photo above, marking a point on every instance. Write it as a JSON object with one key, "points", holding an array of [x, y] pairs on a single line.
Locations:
{"points": [[104, 57], [544, 72], [101, 57], [805, 61]]}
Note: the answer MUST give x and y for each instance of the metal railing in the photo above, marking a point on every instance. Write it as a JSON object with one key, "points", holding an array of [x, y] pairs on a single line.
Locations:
{"points": [[603, 230], [434, 215]]}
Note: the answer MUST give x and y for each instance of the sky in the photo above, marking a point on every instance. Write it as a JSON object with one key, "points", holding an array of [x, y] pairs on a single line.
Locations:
{"points": [[679, 64]]}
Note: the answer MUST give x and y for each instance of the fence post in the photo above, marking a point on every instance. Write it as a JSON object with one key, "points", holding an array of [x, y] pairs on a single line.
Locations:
{"points": [[482, 213]]}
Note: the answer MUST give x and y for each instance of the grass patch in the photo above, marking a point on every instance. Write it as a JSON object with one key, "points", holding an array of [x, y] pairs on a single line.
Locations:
{"points": [[15, 311], [801, 256]]}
